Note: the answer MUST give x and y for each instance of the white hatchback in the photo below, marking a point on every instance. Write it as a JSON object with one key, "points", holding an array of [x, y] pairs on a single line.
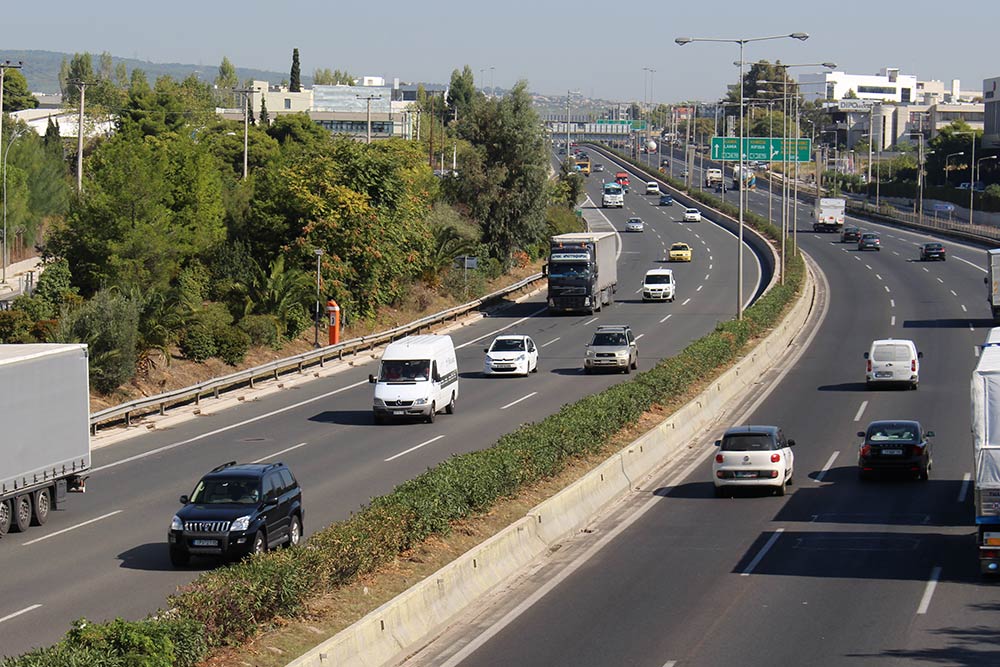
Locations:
{"points": [[753, 456], [692, 215], [511, 355], [652, 188]]}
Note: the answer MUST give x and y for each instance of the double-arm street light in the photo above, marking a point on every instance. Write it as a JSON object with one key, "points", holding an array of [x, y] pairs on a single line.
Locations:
{"points": [[742, 41]]}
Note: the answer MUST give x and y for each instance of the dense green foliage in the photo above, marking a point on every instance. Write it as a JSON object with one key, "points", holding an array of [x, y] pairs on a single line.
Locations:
{"points": [[16, 95]]}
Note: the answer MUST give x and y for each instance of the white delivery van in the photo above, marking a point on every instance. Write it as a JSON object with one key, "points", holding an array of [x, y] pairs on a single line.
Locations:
{"points": [[658, 285], [893, 360], [417, 377]]}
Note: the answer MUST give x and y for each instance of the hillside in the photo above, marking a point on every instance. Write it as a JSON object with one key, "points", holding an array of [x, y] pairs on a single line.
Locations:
{"points": [[41, 69]]}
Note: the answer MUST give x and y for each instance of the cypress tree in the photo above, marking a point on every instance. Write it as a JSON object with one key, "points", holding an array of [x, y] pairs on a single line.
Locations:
{"points": [[264, 120], [295, 78]]}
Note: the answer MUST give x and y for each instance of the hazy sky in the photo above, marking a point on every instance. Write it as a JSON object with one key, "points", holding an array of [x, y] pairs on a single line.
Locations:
{"points": [[598, 48]]}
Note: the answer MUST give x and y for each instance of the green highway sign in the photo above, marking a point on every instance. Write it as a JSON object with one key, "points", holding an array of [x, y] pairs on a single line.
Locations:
{"points": [[605, 121], [762, 149], [638, 125]]}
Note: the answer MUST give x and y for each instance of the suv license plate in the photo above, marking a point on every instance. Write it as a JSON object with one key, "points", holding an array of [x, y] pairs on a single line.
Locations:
{"points": [[205, 543]]}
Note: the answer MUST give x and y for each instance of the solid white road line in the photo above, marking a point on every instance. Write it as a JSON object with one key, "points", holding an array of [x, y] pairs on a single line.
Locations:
{"points": [[523, 398], [925, 601], [966, 478], [413, 449], [66, 530], [975, 266], [590, 321], [671, 315], [861, 411], [670, 663], [18, 613], [503, 328], [685, 302], [760, 554], [283, 451], [550, 342], [826, 468]]}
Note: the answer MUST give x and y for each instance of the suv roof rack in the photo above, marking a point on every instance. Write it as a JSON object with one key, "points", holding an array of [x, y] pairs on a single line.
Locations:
{"points": [[223, 466]]}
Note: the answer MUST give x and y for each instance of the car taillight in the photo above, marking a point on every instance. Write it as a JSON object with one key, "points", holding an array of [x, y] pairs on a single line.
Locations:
{"points": [[775, 458], [866, 450], [987, 553], [916, 450], [718, 458], [869, 365], [913, 365]]}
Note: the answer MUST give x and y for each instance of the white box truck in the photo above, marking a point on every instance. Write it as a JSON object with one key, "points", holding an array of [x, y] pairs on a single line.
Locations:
{"points": [[45, 446], [986, 452], [992, 281], [582, 271], [828, 216]]}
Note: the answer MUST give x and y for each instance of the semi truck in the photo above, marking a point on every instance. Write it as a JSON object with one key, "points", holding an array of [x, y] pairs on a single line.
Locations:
{"points": [[986, 453], [582, 271], [45, 448], [613, 196], [748, 180], [828, 216], [992, 281]]}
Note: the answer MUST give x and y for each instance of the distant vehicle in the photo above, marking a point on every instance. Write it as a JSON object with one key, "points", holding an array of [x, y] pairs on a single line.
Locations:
{"points": [[598, 167], [684, 173], [652, 188], [634, 225], [679, 252], [899, 446], [758, 456], [870, 241], [963, 186], [658, 285], [992, 280], [748, 180], [621, 178], [511, 355], [929, 251], [562, 151], [417, 377], [850, 234], [613, 196], [664, 162], [666, 200], [583, 164], [692, 215], [713, 177], [613, 347], [893, 361], [828, 215]]}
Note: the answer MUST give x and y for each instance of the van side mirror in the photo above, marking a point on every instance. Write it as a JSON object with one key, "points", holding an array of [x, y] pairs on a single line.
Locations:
{"points": [[371, 378], [920, 355], [718, 443], [861, 434], [184, 500], [866, 355], [791, 443]]}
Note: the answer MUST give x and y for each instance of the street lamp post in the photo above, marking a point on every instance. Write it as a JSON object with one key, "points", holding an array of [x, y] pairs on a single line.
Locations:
{"points": [[972, 164], [946, 158], [319, 257], [681, 41], [10, 142]]}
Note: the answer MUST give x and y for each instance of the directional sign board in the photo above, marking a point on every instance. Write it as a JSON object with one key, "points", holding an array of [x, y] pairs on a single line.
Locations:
{"points": [[762, 149]]}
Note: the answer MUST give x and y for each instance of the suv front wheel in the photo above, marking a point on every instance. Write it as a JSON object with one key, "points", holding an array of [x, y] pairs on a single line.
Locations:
{"points": [[294, 532], [259, 543]]}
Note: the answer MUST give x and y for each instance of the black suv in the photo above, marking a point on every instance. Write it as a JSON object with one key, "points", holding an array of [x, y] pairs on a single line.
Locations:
{"points": [[237, 510]]}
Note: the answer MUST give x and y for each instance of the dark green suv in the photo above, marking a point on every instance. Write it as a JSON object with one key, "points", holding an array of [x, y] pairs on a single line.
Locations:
{"points": [[237, 510]]}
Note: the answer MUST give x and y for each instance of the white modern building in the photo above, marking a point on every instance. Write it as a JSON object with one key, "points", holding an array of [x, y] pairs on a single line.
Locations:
{"points": [[991, 114], [886, 86]]}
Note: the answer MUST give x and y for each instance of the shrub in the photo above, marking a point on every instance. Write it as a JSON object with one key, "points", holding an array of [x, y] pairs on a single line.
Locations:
{"points": [[297, 320], [231, 345], [15, 326], [198, 343], [262, 329], [109, 325]]}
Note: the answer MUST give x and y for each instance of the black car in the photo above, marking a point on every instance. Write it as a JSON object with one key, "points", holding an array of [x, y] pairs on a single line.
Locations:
{"points": [[850, 235], [237, 510], [929, 251], [870, 241], [666, 200], [895, 445]]}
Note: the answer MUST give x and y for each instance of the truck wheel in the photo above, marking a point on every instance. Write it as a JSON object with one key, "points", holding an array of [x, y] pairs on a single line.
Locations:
{"points": [[4, 517], [21, 515], [433, 414], [179, 557], [41, 504]]}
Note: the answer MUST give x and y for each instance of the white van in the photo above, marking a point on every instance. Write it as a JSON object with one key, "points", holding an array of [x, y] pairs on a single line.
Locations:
{"points": [[652, 188], [658, 285], [893, 360], [417, 377]]}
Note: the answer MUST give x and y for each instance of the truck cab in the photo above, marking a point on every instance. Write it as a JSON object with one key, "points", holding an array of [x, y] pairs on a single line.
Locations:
{"points": [[621, 178]]}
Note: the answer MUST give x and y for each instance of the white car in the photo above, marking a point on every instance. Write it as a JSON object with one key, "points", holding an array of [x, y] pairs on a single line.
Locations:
{"points": [[658, 285], [634, 225], [692, 215], [511, 355], [753, 456], [652, 188]]}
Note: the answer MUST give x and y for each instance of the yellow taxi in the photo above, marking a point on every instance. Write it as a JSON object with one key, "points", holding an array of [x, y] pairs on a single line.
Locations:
{"points": [[680, 252]]}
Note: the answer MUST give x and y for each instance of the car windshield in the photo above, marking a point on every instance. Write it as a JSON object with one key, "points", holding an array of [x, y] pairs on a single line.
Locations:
{"points": [[405, 370], [891, 353], [869, 236], [679, 246], [747, 442], [507, 345], [569, 270], [634, 221], [226, 491], [658, 279], [608, 338], [692, 210], [933, 246], [901, 433]]}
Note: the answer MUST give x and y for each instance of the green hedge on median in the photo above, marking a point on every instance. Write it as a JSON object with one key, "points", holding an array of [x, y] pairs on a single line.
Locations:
{"points": [[227, 605]]}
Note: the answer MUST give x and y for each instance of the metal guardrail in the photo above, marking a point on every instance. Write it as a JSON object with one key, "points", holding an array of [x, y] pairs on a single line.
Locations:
{"points": [[273, 370]]}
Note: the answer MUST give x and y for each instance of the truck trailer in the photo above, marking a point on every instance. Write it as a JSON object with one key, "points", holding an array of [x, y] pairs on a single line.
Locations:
{"points": [[986, 451], [992, 281], [828, 216], [582, 271], [45, 448]]}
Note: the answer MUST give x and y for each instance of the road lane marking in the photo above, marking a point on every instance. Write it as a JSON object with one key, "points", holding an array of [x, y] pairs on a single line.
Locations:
{"points": [[18, 613], [685, 302], [925, 601], [868, 266], [503, 328], [953, 293], [975, 266], [640, 336], [878, 276], [966, 478], [861, 411], [964, 309], [699, 288], [892, 321], [590, 321], [637, 291], [940, 281], [760, 554], [707, 275], [66, 530], [550, 342], [671, 315], [283, 451], [857, 258], [826, 468], [413, 449], [886, 287], [925, 269], [709, 267], [523, 398], [895, 253], [892, 303]]}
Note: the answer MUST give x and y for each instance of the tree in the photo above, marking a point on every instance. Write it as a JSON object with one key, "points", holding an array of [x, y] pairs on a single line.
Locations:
{"points": [[850, 94], [226, 82], [16, 95], [462, 91], [327, 77], [265, 120], [759, 71], [81, 68], [295, 76], [956, 137]]}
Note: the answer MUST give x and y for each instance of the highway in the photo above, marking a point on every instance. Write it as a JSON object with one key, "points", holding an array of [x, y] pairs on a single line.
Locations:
{"points": [[105, 555], [839, 571]]}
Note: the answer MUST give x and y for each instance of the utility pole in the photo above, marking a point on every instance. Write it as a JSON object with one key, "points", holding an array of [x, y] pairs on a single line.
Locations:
{"points": [[246, 93], [368, 135], [4, 66], [82, 85]]}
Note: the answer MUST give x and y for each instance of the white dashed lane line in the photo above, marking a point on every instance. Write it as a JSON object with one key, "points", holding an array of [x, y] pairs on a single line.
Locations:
{"points": [[590, 321], [940, 281], [550, 342], [671, 315], [523, 398], [964, 309], [886, 288], [699, 288], [892, 321], [925, 601], [685, 302], [829, 464], [953, 292], [861, 411], [18, 613], [707, 275], [868, 266], [925, 269], [892, 303], [413, 449]]}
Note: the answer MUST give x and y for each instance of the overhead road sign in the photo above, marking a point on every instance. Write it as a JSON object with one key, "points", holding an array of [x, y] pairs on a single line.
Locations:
{"points": [[762, 149]]}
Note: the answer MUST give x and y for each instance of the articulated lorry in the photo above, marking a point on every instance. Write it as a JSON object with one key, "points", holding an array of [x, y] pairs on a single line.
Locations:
{"points": [[828, 216], [613, 196], [986, 450], [582, 271], [992, 281], [45, 446], [748, 180]]}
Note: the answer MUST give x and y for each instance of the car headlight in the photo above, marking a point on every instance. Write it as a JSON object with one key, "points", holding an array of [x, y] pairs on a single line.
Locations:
{"points": [[243, 523], [176, 523], [521, 357], [420, 401], [621, 353], [590, 353]]}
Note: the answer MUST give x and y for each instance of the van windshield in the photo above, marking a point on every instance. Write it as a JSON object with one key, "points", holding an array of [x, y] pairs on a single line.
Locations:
{"points": [[405, 370], [658, 279]]}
